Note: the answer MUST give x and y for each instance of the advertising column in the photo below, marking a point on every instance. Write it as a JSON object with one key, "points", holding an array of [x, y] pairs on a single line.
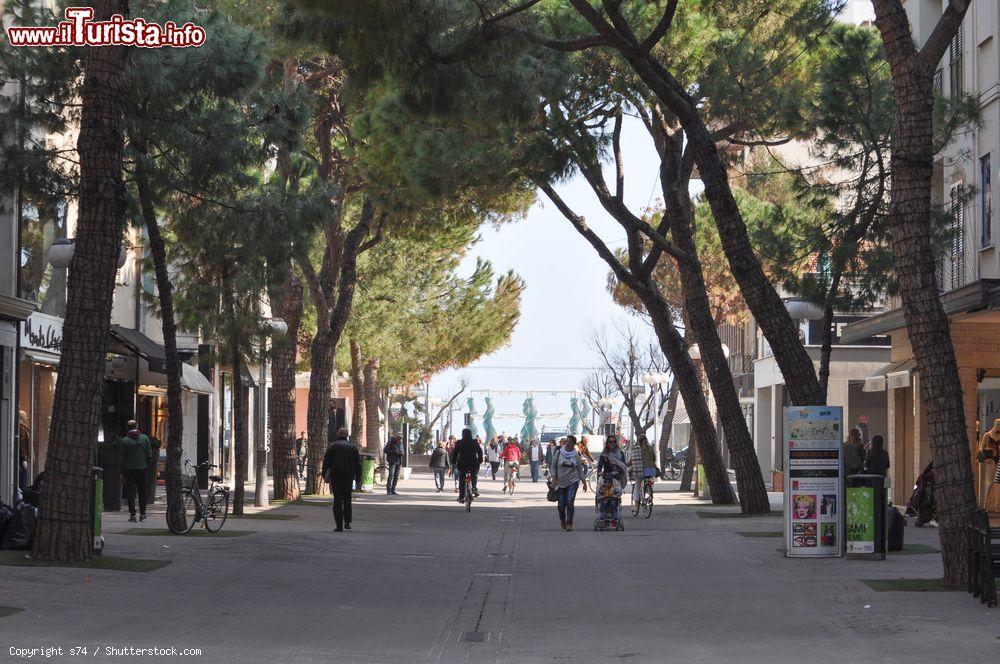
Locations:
{"points": [[813, 471]]}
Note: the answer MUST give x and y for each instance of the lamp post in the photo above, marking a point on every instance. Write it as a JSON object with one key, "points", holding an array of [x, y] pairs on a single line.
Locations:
{"points": [[655, 381], [271, 326]]}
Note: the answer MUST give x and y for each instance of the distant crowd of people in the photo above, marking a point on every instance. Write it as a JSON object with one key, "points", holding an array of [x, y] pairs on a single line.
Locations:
{"points": [[566, 462]]}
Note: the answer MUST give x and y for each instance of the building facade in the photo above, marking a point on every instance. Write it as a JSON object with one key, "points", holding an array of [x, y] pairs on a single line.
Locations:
{"points": [[965, 177]]}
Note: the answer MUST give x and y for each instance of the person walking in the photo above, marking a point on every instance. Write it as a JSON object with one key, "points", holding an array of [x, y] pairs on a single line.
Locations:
{"points": [[565, 475], [585, 455], [136, 453], [342, 471], [300, 447], [493, 456], [450, 449], [393, 452], [877, 459], [467, 458], [535, 456], [854, 453], [439, 463]]}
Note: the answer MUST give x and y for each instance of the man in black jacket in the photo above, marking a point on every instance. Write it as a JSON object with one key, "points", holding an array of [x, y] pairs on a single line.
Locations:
{"points": [[393, 452], [342, 469], [467, 456]]}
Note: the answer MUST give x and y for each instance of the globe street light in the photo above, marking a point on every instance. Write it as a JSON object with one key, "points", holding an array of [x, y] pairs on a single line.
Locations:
{"points": [[60, 253]]}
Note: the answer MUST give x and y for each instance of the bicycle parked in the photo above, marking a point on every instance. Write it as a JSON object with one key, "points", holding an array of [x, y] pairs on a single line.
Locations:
{"points": [[190, 508]]}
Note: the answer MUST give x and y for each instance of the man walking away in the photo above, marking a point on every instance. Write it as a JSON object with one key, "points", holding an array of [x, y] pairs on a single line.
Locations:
{"points": [[467, 457], [393, 452], [535, 459], [300, 443], [341, 470], [439, 464], [136, 453]]}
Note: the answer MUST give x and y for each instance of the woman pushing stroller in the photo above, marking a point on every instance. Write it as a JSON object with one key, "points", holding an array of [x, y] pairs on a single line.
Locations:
{"points": [[612, 472]]}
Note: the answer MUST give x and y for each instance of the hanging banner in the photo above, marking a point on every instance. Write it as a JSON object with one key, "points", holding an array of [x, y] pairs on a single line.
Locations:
{"points": [[813, 481]]}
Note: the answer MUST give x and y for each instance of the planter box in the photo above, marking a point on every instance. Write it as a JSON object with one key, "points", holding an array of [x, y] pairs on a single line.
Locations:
{"points": [[778, 480]]}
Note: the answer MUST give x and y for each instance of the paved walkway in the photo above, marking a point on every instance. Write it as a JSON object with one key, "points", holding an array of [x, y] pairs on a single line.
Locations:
{"points": [[419, 580]]}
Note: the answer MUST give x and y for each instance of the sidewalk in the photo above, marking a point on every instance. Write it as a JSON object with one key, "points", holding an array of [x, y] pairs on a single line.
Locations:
{"points": [[420, 580]]}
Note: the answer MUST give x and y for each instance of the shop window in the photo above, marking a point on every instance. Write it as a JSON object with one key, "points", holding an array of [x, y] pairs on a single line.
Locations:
{"points": [[985, 202], [35, 399], [42, 223]]}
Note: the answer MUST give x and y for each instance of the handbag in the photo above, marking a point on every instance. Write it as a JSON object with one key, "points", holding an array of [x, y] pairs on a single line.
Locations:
{"points": [[552, 496]]}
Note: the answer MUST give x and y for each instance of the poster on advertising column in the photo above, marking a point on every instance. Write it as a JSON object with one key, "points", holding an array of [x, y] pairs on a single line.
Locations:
{"points": [[813, 486]]}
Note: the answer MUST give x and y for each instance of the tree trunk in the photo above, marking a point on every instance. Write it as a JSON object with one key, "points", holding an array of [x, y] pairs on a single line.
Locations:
{"points": [[758, 292], [926, 321], [358, 397], [322, 367], [173, 477], [241, 440], [64, 531], [826, 351], [281, 405], [674, 178], [689, 384], [373, 442], [672, 344]]}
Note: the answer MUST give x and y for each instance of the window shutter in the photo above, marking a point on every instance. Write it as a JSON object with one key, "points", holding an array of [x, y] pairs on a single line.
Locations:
{"points": [[957, 236]]}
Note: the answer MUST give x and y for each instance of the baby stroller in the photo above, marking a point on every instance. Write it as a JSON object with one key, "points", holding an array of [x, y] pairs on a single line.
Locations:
{"points": [[608, 504]]}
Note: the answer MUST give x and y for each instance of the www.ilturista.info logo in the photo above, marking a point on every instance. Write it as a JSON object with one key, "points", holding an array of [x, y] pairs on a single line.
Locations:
{"points": [[79, 29]]}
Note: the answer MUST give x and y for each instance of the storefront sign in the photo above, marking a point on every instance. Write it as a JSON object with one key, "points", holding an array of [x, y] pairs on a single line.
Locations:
{"points": [[813, 470], [42, 332], [860, 520]]}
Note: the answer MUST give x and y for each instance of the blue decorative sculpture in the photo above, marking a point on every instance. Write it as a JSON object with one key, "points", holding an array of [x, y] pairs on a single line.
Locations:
{"points": [[574, 420], [472, 417], [529, 430], [488, 431], [585, 417]]}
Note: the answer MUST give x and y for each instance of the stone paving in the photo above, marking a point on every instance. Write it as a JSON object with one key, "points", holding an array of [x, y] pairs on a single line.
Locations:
{"points": [[420, 580]]}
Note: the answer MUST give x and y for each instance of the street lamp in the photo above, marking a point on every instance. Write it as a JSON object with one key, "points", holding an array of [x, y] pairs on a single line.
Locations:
{"points": [[271, 326], [60, 253], [655, 380]]}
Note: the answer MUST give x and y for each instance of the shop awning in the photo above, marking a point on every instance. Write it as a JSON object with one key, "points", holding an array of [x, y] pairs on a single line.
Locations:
{"points": [[136, 342], [192, 380], [894, 374], [245, 376]]}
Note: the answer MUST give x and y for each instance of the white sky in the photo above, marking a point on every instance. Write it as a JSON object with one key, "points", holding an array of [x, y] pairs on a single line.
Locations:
{"points": [[565, 298]]}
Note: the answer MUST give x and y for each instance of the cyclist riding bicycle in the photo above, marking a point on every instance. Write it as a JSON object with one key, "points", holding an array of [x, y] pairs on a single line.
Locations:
{"points": [[467, 457], [511, 456]]}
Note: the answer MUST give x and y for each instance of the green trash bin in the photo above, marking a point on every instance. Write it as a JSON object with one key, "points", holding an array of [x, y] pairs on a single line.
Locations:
{"points": [[97, 509], [367, 473], [866, 512]]}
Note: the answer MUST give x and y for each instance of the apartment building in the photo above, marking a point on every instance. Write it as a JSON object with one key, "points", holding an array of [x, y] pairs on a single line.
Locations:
{"points": [[965, 178]]}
